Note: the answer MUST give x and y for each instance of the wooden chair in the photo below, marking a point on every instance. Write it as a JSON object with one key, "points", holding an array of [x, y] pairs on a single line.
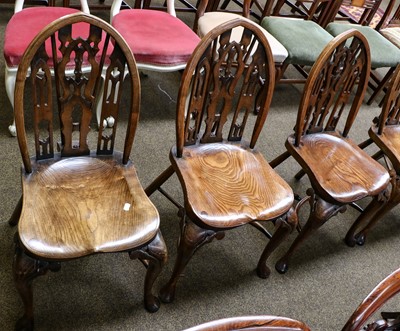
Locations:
{"points": [[363, 12], [315, 10], [206, 21], [225, 181], [23, 26], [261, 323], [385, 133], [79, 201], [339, 171], [389, 27], [359, 320], [384, 291]]}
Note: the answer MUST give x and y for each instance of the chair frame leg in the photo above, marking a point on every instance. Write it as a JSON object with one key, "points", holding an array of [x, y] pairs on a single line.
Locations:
{"points": [[154, 256], [284, 226], [376, 209], [25, 270], [192, 238], [320, 212]]}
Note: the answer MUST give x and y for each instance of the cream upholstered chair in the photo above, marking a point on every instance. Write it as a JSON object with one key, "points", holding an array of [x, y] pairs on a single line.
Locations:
{"points": [[208, 20], [20, 30]]}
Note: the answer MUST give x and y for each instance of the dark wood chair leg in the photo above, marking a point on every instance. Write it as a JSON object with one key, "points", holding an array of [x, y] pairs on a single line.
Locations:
{"points": [[381, 85], [375, 210], [25, 270], [320, 212], [13, 221], [192, 238], [284, 226], [155, 254]]}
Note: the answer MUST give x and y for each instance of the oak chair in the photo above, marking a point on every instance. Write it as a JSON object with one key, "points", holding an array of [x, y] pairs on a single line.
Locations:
{"points": [[225, 181], [23, 26], [339, 171], [385, 133], [261, 323], [79, 201], [385, 55]]}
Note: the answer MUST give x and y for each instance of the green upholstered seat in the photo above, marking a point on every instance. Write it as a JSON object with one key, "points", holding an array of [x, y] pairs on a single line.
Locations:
{"points": [[304, 40], [383, 52]]}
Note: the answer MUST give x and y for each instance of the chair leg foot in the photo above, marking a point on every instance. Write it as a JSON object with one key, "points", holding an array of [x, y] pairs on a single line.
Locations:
{"points": [[12, 130], [154, 256], [284, 226], [192, 238], [320, 212], [25, 270]]}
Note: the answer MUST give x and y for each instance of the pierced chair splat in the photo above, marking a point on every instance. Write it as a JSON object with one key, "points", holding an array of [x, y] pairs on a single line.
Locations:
{"points": [[225, 181], [339, 171], [79, 201]]}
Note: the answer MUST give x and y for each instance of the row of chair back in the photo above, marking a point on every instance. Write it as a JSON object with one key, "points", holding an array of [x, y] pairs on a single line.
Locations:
{"points": [[81, 196]]}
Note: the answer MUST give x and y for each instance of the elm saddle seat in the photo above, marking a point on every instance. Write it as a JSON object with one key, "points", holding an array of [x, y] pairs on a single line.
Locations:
{"points": [[78, 201], [226, 182]]}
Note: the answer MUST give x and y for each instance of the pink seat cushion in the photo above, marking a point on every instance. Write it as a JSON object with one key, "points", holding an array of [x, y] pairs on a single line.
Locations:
{"points": [[156, 37], [26, 24]]}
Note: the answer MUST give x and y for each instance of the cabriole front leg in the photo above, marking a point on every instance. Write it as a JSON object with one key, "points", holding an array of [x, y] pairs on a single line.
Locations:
{"points": [[191, 239], [154, 256], [284, 226], [25, 270], [320, 212], [376, 209]]}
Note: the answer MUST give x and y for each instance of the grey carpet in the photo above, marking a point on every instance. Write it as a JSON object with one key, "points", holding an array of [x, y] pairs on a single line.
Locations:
{"points": [[325, 283]]}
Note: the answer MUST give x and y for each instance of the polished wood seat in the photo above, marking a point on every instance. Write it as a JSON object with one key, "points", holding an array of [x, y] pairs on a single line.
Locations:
{"points": [[80, 200]]}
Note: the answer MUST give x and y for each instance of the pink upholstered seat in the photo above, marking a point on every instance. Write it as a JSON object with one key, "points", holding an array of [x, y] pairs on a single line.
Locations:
{"points": [[156, 37], [24, 26]]}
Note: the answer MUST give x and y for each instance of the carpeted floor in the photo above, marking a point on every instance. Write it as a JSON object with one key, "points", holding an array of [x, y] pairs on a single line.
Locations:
{"points": [[325, 283]]}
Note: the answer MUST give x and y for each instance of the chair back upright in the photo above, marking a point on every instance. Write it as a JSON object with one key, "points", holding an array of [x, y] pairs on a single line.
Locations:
{"points": [[75, 94], [338, 79], [224, 82]]}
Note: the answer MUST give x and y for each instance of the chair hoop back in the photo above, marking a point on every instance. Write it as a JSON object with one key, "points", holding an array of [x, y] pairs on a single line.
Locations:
{"points": [[390, 114], [342, 69], [241, 74], [105, 51]]}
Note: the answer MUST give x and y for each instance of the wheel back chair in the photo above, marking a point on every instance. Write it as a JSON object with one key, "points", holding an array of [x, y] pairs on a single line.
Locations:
{"points": [[385, 133], [359, 320], [339, 171], [225, 181], [79, 201], [23, 26]]}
